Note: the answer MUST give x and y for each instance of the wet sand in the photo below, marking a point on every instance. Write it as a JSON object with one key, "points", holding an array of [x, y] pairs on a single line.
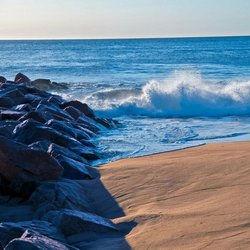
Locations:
{"points": [[197, 198]]}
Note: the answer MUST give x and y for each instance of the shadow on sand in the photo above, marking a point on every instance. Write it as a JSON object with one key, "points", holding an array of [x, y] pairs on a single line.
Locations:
{"points": [[106, 206]]}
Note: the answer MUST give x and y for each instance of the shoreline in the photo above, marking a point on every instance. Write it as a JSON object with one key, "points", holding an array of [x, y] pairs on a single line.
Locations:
{"points": [[187, 199]]}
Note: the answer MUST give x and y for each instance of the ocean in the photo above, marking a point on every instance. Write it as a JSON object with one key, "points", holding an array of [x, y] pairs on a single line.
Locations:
{"points": [[166, 94]]}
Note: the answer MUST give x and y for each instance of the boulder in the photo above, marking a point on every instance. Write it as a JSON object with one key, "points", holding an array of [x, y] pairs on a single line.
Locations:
{"points": [[21, 78], [56, 151], [63, 127], [19, 161], [72, 222], [82, 107], [54, 195], [74, 169]]}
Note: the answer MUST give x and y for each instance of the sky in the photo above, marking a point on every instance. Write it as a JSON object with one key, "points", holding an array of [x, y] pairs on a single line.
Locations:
{"points": [[84, 19]]}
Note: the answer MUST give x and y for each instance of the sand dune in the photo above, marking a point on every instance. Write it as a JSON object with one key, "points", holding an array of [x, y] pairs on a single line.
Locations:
{"points": [[198, 198]]}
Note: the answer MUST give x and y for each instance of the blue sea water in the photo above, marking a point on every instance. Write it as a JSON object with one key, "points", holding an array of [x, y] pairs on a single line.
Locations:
{"points": [[166, 94]]}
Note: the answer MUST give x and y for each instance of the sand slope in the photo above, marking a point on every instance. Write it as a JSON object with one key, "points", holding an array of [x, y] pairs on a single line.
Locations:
{"points": [[197, 198]]}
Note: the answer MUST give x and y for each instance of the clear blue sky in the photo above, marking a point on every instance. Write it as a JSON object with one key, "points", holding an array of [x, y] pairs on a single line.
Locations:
{"points": [[25, 19]]}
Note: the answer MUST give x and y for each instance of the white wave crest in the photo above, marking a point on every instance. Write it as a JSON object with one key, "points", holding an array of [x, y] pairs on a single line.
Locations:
{"points": [[182, 94]]}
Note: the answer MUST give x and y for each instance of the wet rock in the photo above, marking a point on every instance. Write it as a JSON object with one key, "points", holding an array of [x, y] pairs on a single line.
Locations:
{"points": [[74, 169], [72, 222], [21, 78], [82, 107], [53, 195], [26, 162], [3, 79]]}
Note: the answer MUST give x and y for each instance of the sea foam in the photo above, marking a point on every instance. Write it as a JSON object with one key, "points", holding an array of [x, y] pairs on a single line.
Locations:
{"points": [[182, 94]]}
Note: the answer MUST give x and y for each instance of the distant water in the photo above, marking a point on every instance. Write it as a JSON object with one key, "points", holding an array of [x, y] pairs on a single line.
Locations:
{"points": [[166, 93]]}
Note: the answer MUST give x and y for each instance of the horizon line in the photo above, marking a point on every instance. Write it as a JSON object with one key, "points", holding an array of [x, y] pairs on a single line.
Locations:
{"points": [[119, 38]]}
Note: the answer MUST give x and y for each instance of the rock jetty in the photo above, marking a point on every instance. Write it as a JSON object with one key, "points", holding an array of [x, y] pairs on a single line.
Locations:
{"points": [[45, 156]]}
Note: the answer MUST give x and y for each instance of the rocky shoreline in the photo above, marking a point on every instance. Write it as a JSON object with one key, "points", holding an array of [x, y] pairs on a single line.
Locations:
{"points": [[45, 154]]}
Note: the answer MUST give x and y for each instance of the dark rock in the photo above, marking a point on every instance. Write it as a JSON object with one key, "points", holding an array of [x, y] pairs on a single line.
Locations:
{"points": [[63, 127], [6, 102], [23, 107], [7, 128], [74, 113], [60, 194], [87, 123], [21, 78], [39, 117], [40, 145], [26, 162], [10, 230], [56, 151], [56, 112], [82, 107], [74, 169], [33, 241], [107, 123], [3, 79], [10, 115], [73, 222]]}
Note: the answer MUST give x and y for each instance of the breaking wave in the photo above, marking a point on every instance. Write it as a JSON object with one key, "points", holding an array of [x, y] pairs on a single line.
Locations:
{"points": [[182, 94]]}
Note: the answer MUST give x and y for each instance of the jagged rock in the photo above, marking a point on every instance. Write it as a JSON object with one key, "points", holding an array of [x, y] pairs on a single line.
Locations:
{"points": [[18, 160], [74, 169], [60, 194], [10, 230], [73, 222], [3, 79], [21, 78], [32, 241], [82, 107]]}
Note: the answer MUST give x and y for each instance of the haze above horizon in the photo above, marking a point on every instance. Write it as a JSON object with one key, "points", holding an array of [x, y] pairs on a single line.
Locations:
{"points": [[96, 19]]}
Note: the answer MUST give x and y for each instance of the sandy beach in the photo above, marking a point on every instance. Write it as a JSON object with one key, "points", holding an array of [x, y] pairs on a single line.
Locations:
{"points": [[196, 198]]}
